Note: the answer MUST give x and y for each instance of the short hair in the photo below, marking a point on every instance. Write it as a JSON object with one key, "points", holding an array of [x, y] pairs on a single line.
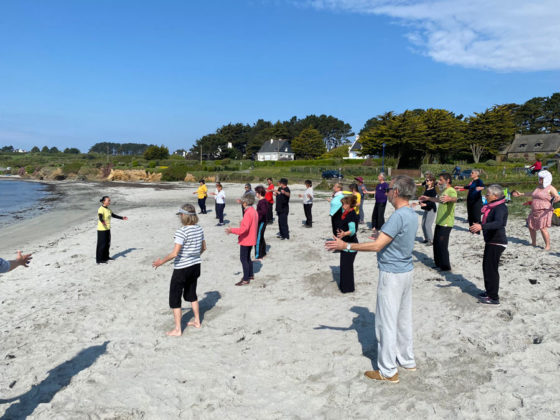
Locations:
{"points": [[105, 197], [248, 199], [219, 184], [248, 185], [354, 187], [338, 185], [308, 182], [283, 181], [428, 173], [269, 179], [405, 186], [496, 190], [476, 170], [201, 181], [382, 174], [430, 177], [189, 219], [446, 176], [259, 189], [351, 200]]}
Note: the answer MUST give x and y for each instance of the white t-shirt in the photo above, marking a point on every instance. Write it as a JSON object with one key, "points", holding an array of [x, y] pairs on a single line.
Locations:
{"points": [[190, 237], [220, 197], [306, 199]]}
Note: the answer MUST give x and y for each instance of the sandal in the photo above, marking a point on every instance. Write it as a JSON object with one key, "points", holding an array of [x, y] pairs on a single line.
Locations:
{"points": [[242, 283]]}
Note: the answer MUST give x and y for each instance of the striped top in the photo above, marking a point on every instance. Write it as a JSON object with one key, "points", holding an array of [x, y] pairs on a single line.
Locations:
{"points": [[190, 237]]}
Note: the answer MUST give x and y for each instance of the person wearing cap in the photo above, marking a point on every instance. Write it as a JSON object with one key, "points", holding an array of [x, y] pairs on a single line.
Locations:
{"points": [[189, 244], [202, 193], [104, 214], [540, 218], [247, 233], [362, 190], [20, 260]]}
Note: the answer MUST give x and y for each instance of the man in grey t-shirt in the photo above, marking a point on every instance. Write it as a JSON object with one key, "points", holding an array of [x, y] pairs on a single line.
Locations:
{"points": [[393, 315]]}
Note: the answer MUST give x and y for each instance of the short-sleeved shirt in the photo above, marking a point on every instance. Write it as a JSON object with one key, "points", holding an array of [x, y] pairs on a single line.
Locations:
{"points": [[4, 266], [202, 191], [308, 192], [283, 201], [220, 197], [190, 237], [381, 192], [446, 211], [106, 213], [397, 256]]}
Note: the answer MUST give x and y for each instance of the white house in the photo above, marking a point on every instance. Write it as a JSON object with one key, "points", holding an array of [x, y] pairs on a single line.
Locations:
{"points": [[275, 150], [354, 152]]}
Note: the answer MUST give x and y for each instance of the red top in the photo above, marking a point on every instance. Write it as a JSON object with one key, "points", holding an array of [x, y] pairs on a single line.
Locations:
{"points": [[248, 230], [537, 165], [269, 196]]}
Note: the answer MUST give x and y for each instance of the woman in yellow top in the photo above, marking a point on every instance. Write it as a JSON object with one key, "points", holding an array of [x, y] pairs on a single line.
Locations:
{"points": [[202, 193], [355, 192], [104, 215]]}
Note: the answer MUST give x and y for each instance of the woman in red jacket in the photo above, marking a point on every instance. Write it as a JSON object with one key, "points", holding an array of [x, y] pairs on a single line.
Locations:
{"points": [[247, 237]]}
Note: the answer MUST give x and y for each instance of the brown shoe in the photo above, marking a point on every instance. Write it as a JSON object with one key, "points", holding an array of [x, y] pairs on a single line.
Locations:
{"points": [[375, 374]]}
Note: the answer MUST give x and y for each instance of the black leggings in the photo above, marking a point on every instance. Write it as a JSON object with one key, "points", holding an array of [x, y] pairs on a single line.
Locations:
{"points": [[441, 247], [378, 215], [490, 262], [246, 263], [474, 211], [283, 225], [220, 211], [103, 244], [347, 271], [202, 205], [335, 222], [260, 248], [269, 213]]}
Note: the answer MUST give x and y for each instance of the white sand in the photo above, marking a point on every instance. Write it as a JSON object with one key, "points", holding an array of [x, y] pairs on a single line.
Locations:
{"points": [[80, 340]]}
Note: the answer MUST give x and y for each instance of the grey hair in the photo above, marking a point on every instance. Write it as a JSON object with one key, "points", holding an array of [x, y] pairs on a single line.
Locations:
{"points": [[382, 175], [248, 199], [405, 186], [476, 170], [496, 190]]}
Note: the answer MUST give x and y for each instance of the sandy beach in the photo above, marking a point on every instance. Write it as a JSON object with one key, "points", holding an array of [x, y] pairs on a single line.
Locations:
{"points": [[81, 340]]}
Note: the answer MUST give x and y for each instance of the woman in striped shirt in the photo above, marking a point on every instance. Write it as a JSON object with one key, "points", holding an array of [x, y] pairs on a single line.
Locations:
{"points": [[189, 244]]}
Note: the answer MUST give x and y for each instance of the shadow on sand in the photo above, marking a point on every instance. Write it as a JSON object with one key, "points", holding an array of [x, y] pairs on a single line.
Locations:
{"points": [[123, 253], [57, 379], [364, 325], [206, 303]]}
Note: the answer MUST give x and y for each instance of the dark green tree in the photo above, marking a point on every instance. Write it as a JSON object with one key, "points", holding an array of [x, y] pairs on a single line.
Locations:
{"points": [[35, 149], [490, 130], [54, 149], [156, 153], [72, 150], [309, 144], [45, 149]]}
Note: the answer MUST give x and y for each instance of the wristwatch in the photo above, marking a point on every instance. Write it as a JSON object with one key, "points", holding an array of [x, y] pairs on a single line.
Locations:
{"points": [[349, 246]]}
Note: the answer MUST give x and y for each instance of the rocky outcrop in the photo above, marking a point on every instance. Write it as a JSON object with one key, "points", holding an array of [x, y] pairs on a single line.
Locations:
{"points": [[133, 175]]}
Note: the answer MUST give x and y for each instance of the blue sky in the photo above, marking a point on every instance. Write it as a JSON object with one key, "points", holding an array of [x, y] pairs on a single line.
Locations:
{"points": [[73, 73]]}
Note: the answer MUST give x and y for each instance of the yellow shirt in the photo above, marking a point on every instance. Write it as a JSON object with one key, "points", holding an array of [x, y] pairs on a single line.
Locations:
{"points": [[358, 200], [202, 191], [106, 213]]}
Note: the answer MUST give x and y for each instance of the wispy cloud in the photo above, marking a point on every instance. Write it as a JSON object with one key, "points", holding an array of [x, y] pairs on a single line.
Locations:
{"points": [[504, 35]]}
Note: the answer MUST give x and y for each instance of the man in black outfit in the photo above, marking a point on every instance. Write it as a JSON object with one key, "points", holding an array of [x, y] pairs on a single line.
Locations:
{"points": [[282, 208]]}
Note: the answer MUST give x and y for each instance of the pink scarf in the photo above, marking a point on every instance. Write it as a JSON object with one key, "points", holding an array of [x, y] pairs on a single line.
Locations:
{"points": [[488, 207]]}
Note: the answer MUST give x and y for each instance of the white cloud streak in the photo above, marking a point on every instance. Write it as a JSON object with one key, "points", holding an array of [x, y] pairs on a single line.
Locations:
{"points": [[502, 35]]}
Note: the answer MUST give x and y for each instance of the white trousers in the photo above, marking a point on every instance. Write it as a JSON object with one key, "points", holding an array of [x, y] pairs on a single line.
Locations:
{"points": [[393, 322]]}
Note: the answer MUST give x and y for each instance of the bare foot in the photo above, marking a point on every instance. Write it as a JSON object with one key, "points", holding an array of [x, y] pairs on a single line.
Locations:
{"points": [[174, 333], [195, 324], [547, 248]]}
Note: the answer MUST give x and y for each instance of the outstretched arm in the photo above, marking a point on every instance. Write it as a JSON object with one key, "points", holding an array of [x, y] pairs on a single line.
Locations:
{"points": [[20, 260], [171, 256]]}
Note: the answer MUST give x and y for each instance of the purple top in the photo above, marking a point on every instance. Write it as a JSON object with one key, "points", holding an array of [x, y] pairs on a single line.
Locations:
{"points": [[262, 209], [381, 192]]}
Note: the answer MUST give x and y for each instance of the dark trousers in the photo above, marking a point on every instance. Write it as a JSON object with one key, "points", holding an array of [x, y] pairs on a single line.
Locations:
{"points": [[378, 215], [202, 205], [260, 248], [441, 244], [103, 244], [347, 271], [269, 218], [220, 211], [490, 262], [283, 225], [246, 263], [473, 211], [308, 215], [335, 222]]}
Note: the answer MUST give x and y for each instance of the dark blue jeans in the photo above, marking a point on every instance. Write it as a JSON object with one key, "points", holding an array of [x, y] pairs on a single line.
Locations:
{"points": [[246, 263], [202, 205], [220, 211]]}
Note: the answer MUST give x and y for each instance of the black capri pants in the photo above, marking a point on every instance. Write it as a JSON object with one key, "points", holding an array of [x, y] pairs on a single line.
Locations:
{"points": [[183, 282]]}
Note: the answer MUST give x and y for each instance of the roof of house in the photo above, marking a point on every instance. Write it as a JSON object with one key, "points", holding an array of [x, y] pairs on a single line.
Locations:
{"points": [[275, 146], [356, 146], [535, 143]]}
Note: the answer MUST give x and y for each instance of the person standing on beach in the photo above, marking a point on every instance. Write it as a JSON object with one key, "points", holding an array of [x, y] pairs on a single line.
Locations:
{"points": [[270, 198], [283, 208], [393, 314], [307, 197], [189, 245], [540, 217], [104, 214], [378, 215], [202, 193], [347, 232], [336, 207], [262, 211], [248, 192], [20, 260], [220, 197], [445, 219], [247, 237], [493, 227], [362, 189], [430, 209], [474, 197]]}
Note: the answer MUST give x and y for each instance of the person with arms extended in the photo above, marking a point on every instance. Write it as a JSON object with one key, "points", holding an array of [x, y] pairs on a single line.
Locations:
{"points": [[474, 197], [429, 208], [247, 233], [283, 208], [189, 245], [220, 197], [393, 315], [307, 197], [378, 215], [20, 260], [347, 232], [104, 214], [335, 210], [202, 193], [262, 211], [493, 227]]}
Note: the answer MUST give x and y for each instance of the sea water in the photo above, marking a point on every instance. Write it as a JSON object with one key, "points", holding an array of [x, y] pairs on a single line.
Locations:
{"points": [[20, 200]]}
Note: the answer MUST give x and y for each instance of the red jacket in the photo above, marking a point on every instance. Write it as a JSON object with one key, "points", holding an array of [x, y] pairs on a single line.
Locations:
{"points": [[248, 230], [268, 195]]}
